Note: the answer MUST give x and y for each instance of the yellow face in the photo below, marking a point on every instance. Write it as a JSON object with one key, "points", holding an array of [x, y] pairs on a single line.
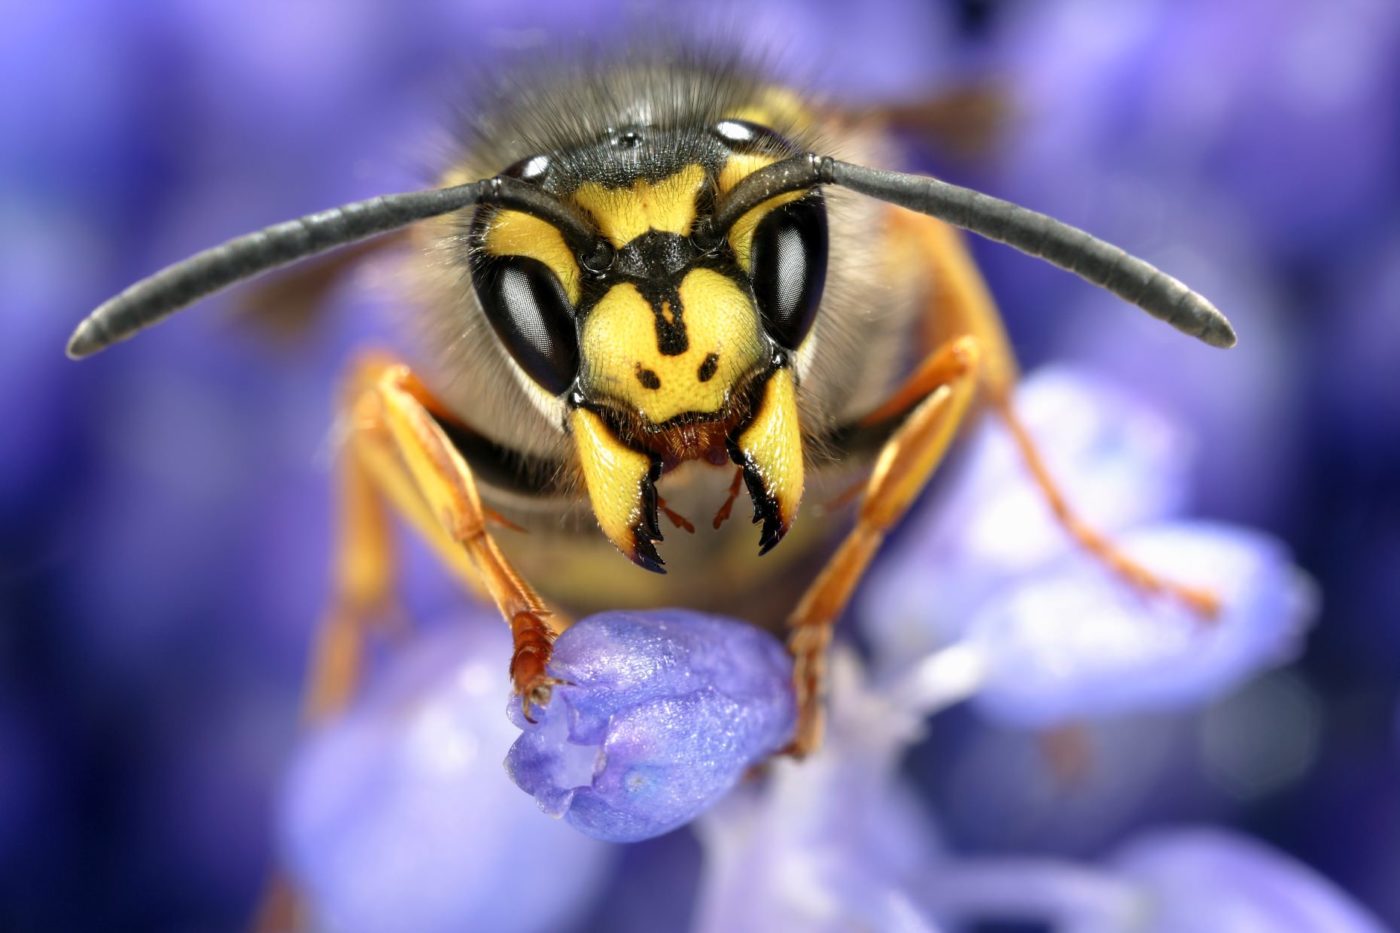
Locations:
{"points": [[668, 356], [661, 346], [670, 344]]}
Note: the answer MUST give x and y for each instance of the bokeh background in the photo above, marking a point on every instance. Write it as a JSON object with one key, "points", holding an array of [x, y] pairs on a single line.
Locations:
{"points": [[164, 520]]}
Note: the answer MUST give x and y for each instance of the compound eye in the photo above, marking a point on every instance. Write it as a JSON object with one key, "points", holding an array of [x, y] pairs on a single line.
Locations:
{"points": [[532, 316], [788, 258], [747, 136], [533, 168]]}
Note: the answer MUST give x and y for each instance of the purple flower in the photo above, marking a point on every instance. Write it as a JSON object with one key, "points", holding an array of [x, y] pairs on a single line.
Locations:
{"points": [[1255, 101], [831, 843], [1119, 463], [1363, 328], [167, 507], [1178, 881], [1073, 641], [659, 716], [1055, 636], [1209, 879], [399, 817]]}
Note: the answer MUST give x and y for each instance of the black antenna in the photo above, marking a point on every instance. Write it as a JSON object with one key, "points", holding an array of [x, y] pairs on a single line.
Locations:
{"points": [[180, 285], [1103, 264]]}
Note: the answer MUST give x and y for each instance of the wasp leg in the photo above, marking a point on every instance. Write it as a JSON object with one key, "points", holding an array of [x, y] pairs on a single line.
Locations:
{"points": [[902, 469], [398, 458], [401, 409], [961, 304], [362, 574]]}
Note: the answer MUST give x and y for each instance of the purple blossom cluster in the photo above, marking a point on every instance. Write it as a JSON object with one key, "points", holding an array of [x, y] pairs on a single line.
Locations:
{"points": [[1018, 738]]}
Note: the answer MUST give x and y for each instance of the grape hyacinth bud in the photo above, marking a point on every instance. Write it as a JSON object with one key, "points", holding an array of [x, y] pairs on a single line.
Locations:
{"points": [[660, 713], [1118, 462]]}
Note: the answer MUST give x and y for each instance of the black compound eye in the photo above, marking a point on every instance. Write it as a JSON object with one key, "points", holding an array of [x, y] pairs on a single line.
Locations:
{"points": [[532, 316], [533, 168], [788, 258], [746, 136]]}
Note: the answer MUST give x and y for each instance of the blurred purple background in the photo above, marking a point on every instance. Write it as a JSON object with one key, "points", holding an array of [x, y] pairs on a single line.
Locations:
{"points": [[164, 520]]}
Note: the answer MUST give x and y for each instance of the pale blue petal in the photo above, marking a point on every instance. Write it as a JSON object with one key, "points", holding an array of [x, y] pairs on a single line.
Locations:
{"points": [[400, 817], [1118, 461], [1075, 641], [830, 843], [1209, 879]]}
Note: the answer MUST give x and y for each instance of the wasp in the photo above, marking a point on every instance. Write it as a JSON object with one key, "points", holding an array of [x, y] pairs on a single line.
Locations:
{"points": [[644, 291]]}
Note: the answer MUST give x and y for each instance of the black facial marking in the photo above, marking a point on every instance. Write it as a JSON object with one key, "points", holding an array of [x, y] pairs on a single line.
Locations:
{"points": [[708, 368], [654, 262], [500, 466], [671, 338], [648, 378]]}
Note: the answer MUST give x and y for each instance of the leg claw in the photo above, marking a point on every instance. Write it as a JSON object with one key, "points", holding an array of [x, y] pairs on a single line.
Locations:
{"points": [[536, 693]]}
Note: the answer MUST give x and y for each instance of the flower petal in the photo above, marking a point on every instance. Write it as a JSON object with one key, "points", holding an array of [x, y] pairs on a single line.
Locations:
{"points": [[1077, 641], [1118, 461], [398, 817], [830, 843], [1209, 879]]}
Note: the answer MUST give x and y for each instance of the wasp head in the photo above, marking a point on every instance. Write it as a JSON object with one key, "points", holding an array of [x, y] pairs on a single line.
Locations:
{"points": [[670, 341]]}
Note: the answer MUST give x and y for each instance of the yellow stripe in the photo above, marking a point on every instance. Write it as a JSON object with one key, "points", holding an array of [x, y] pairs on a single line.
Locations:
{"points": [[779, 109], [623, 214], [734, 171], [513, 233]]}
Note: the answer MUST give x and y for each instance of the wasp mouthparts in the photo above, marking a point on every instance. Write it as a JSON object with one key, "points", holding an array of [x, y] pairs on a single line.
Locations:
{"points": [[766, 509], [647, 531], [644, 554], [769, 451]]}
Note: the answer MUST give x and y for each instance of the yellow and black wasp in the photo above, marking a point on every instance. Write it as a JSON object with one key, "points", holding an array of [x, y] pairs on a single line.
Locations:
{"points": [[644, 290]]}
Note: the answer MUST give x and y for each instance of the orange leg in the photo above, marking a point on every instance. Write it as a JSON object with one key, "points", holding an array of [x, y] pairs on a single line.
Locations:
{"points": [[398, 459], [1203, 602], [446, 487], [961, 304], [905, 463], [279, 909], [969, 355], [362, 575]]}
